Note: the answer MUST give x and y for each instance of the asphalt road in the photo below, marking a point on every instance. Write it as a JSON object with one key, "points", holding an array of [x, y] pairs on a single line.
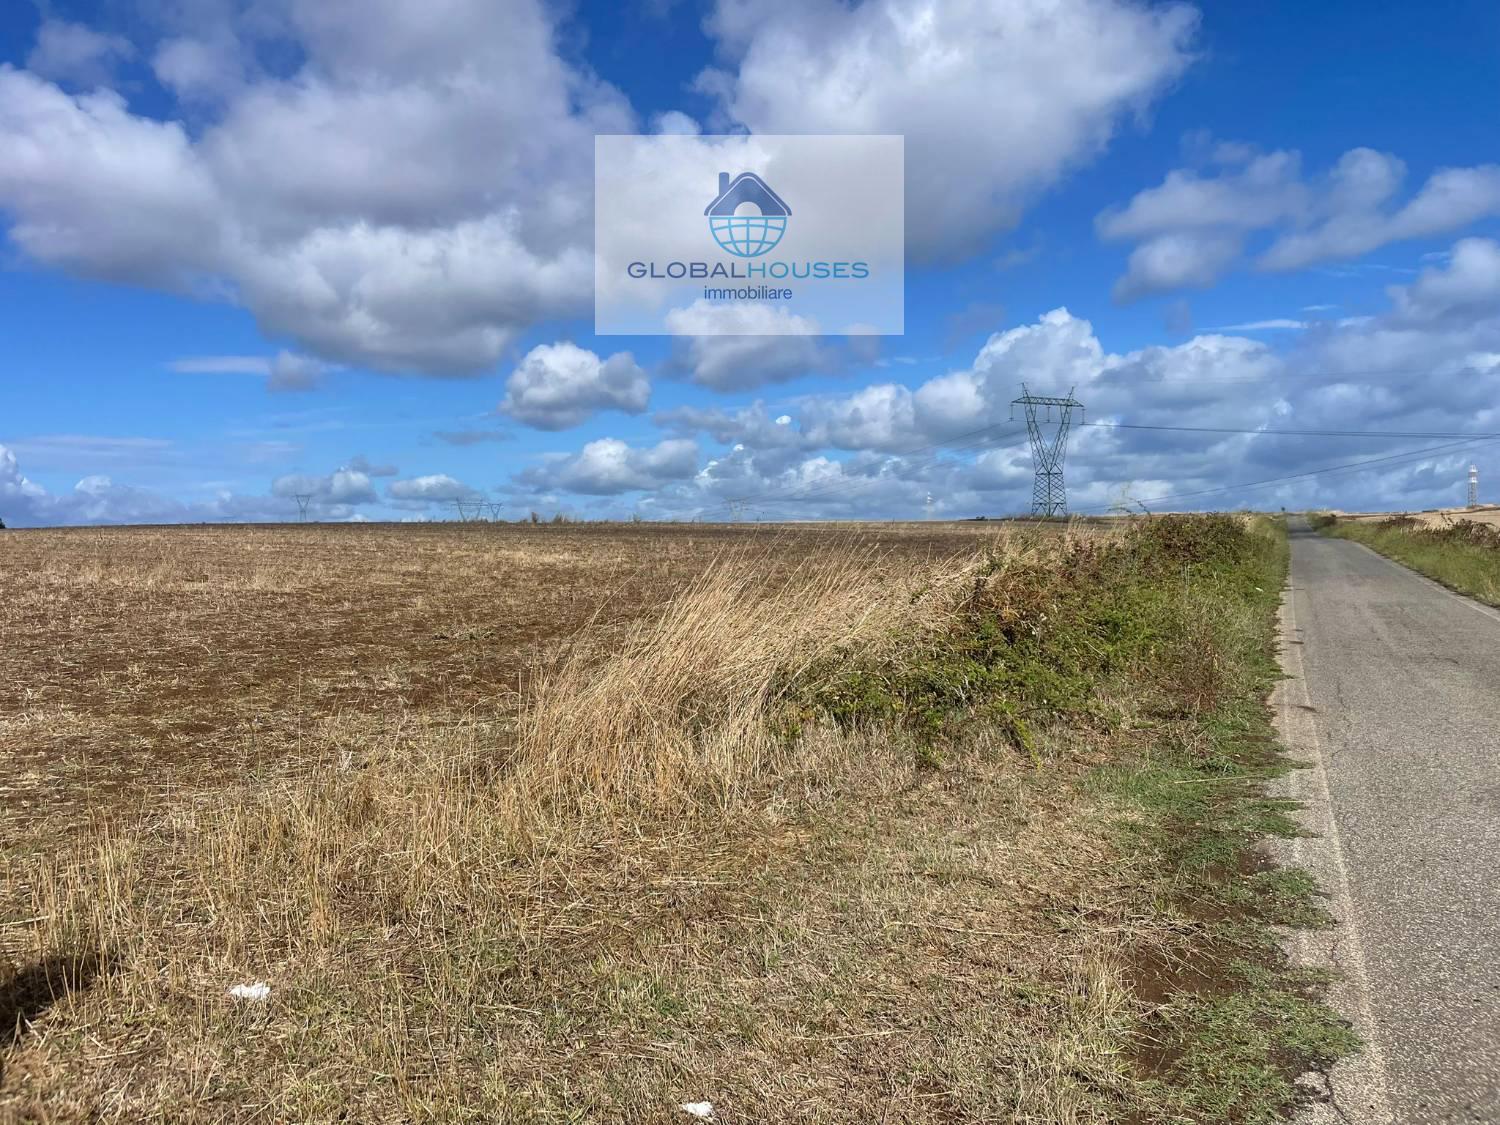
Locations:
{"points": [[1393, 699]]}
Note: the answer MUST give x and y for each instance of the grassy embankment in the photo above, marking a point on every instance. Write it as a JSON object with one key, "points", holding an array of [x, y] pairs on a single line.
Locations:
{"points": [[876, 843], [1463, 555]]}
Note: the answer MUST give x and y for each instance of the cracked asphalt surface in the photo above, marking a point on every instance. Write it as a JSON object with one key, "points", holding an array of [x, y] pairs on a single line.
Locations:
{"points": [[1393, 698]]}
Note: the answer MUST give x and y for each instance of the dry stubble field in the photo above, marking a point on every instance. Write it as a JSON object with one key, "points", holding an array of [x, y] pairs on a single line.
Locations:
{"points": [[194, 721], [143, 664], [587, 823]]}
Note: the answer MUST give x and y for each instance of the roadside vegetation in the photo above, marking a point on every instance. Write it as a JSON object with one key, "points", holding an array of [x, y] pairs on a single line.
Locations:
{"points": [[878, 837], [1462, 554]]}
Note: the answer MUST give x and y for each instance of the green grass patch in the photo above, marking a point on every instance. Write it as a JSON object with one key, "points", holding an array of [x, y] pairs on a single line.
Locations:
{"points": [[1227, 1057], [1053, 642], [1233, 1023]]}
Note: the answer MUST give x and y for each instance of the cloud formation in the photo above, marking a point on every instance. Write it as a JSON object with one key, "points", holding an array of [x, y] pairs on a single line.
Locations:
{"points": [[361, 464], [1194, 226], [75, 54], [1200, 418], [284, 371], [16, 491], [411, 195], [608, 467], [1467, 288], [98, 499], [432, 488], [557, 386], [471, 437], [346, 486], [1187, 425], [348, 493], [1066, 71]]}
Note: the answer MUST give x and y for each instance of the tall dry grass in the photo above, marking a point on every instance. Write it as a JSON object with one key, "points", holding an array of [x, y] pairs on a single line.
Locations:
{"points": [[679, 711]]}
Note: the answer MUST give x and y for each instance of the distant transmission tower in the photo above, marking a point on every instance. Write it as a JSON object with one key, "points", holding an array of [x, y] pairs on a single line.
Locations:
{"points": [[927, 505], [1473, 486], [303, 500], [1049, 495]]}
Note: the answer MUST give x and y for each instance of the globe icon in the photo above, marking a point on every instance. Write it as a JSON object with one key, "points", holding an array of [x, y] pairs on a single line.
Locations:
{"points": [[747, 236]]}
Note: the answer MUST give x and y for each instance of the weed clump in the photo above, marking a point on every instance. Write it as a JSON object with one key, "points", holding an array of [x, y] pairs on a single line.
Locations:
{"points": [[1033, 640], [1462, 532]]}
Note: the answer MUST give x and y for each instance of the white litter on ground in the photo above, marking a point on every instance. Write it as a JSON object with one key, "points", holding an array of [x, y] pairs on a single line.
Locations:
{"points": [[257, 991], [699, 1109]]}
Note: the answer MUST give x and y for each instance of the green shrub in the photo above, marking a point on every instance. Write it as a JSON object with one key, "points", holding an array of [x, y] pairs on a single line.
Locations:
{"points": [[1047, 639]]}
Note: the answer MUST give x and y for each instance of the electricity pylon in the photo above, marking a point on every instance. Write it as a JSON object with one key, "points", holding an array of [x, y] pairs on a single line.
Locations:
{"points": [[1473, 486], [303, 500], [1049, 495]]}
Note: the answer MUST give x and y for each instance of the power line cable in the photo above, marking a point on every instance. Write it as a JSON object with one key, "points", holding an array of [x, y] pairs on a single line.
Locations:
{"points": [[1358, 376], [1289, 433], [985, 437], [1409, 455]]}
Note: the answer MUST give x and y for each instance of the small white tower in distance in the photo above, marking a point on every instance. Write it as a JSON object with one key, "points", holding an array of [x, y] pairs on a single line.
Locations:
{"points": [[928, 505], [1473, 486]]}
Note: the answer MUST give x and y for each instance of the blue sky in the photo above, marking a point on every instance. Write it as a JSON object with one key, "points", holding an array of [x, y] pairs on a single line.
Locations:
{"points": [[256, 249]]}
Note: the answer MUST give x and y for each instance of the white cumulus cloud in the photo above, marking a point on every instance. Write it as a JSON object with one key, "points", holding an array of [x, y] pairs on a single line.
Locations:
{"points": [[996, 101], [560, 385], [410, 195], [343, 486]]}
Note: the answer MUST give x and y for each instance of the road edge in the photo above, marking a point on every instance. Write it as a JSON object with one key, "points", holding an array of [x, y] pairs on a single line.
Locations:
{"points": [[1469, 600], [1355, 1090]]}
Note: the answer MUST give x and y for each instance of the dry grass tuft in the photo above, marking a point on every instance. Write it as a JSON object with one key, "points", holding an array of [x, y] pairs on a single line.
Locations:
{"points": [[679, 712]]}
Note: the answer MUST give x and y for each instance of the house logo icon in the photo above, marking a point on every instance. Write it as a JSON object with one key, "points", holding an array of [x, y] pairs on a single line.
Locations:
{"points": [[759, 228]]}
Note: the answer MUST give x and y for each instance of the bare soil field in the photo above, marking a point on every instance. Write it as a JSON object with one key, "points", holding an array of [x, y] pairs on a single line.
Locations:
{"points": [[140, 662]]}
